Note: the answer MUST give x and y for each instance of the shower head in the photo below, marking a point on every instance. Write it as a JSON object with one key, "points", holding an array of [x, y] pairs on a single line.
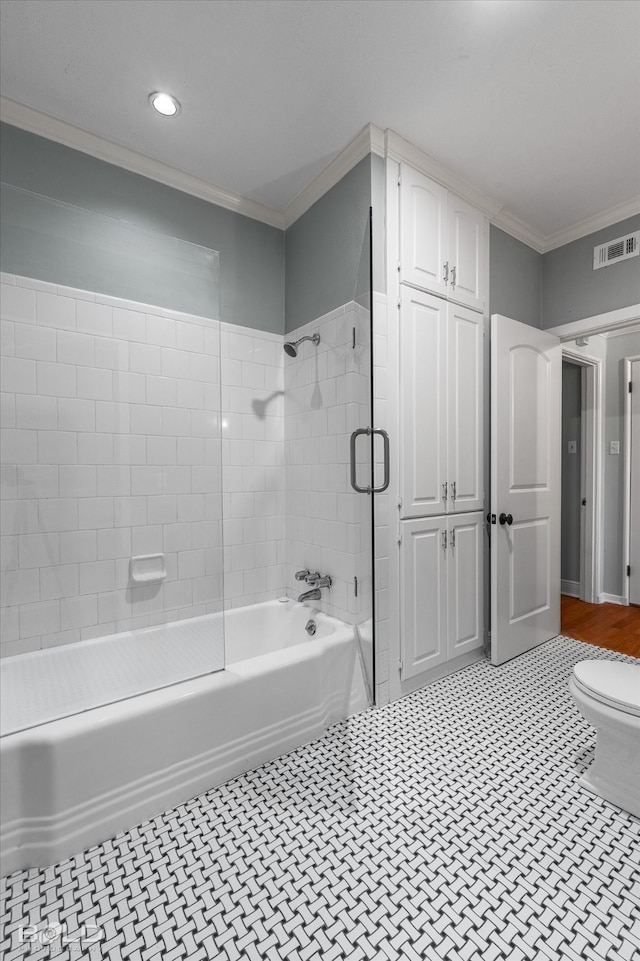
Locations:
{"points": [[291, 347]]}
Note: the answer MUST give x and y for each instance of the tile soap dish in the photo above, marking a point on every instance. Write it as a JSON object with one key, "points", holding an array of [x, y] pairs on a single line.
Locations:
{"points": [[147, 569]]}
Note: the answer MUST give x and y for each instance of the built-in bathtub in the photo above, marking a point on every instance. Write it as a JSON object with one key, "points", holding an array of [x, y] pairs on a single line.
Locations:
{"points": [[73, 781]]}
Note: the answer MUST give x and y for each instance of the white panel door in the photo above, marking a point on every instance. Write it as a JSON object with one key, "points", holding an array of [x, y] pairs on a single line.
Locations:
{"points": [[423, 402], [423, 232], [526, 366], [423, 595], [465, 596], [465, 460], [467, 240], [634, 512]]}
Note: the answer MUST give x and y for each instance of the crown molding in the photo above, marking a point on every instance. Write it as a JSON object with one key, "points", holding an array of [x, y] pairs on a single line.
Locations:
{"points": [[369, 140], [607, 218], [402, 150], [34, 121]]}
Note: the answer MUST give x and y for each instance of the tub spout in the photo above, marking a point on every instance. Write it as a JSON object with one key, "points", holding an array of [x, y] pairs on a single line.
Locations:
{"points": [[312, 595]]}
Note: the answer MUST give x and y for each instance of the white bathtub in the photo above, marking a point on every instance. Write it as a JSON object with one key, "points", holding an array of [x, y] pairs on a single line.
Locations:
{"points": [[78, 780]]}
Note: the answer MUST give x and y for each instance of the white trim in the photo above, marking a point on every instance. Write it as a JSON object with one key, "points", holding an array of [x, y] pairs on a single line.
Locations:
{"points": [[369, 140], [612, 599], [606, 218], [626, 479], [570, 588], [632, 329], [402, 150], [64, 133], [614, 320]]}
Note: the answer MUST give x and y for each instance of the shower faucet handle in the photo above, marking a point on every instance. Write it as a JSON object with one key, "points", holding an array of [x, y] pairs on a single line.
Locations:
{"points": [[317, 580], [302, 575], [312, 579]]}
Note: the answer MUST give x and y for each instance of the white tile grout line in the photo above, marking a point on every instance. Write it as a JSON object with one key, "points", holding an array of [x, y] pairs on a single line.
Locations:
{"points": [[447, 825]]}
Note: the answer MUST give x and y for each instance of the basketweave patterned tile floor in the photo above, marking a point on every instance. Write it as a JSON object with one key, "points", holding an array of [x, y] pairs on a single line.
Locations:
{"points": [[447, 825]]}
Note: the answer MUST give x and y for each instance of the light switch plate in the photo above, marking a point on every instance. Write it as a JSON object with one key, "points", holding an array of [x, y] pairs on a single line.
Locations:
{"points": [[614, 446], [572, 446]]}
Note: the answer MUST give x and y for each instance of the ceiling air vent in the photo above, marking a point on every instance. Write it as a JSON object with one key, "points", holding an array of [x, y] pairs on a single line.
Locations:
{"points": [[615, 250]]}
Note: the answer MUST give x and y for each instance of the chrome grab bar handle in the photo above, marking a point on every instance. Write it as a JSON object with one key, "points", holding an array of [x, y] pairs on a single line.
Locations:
{"points": [[369, 431], [352, 449], [385, 447]]}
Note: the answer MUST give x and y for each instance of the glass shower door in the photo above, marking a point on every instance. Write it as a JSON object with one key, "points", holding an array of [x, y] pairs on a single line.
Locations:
{"points": [[368, 463]]}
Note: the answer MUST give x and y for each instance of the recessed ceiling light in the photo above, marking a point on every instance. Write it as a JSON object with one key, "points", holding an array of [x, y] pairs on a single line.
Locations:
{"points": [[164, 103]]}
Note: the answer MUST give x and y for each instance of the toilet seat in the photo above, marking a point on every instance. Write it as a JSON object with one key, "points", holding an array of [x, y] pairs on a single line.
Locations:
{"points": [[613, 683]]}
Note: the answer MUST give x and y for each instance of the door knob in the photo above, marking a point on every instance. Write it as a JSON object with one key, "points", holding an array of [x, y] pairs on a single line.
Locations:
{"points": [[506, 519]]}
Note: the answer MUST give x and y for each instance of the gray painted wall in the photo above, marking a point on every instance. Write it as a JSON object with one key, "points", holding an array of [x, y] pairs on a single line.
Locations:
{"points": [[571, 424], [327, 250], [251, 253], [514, 279], [572, 289]]}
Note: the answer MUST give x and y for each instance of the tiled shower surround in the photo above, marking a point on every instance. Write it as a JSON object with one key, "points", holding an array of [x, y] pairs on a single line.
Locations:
{"points": [[129, 429], [110, 448]]}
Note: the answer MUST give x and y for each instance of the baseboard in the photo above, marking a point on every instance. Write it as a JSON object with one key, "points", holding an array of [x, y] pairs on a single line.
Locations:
{"points": [[613, 599], [570, 588], [436, 673]]}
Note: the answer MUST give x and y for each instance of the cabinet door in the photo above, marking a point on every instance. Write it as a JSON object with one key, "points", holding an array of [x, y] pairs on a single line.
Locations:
{"points": [[423, 403], [423, 595], [465, 460], [464, 584], [467, 249], [423, 232]]}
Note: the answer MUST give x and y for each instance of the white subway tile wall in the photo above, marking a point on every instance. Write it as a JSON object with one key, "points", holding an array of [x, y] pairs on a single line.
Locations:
{"points": [[111, 446]]}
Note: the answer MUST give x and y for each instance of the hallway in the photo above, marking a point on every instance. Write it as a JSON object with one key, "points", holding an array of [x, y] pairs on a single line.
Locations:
{"points": [[607, 625]]}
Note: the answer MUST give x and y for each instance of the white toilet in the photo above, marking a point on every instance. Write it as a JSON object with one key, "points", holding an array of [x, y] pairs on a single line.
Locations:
{"points": [[608, 695]]}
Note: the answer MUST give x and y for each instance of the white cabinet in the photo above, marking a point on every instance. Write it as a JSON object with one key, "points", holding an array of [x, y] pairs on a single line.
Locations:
{"points": [[441, 591], [424, 230], [423, 596], [443, 241], [441, 420], [465, 584]]}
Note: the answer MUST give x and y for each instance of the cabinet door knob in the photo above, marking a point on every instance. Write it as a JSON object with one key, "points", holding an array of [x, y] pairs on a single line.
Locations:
{"points": [[445, 268], [453, 278], [506, 519]]}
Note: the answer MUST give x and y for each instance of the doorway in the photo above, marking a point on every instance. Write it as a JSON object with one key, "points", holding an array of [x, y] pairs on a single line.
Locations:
{"points": [[581, 475]]}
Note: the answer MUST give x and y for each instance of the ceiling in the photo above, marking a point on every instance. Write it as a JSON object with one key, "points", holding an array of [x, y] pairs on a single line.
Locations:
{"points": [[535, 104]]}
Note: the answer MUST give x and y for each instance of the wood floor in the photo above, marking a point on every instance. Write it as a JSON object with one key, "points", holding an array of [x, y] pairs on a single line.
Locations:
{"points": [[607, 625]]}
